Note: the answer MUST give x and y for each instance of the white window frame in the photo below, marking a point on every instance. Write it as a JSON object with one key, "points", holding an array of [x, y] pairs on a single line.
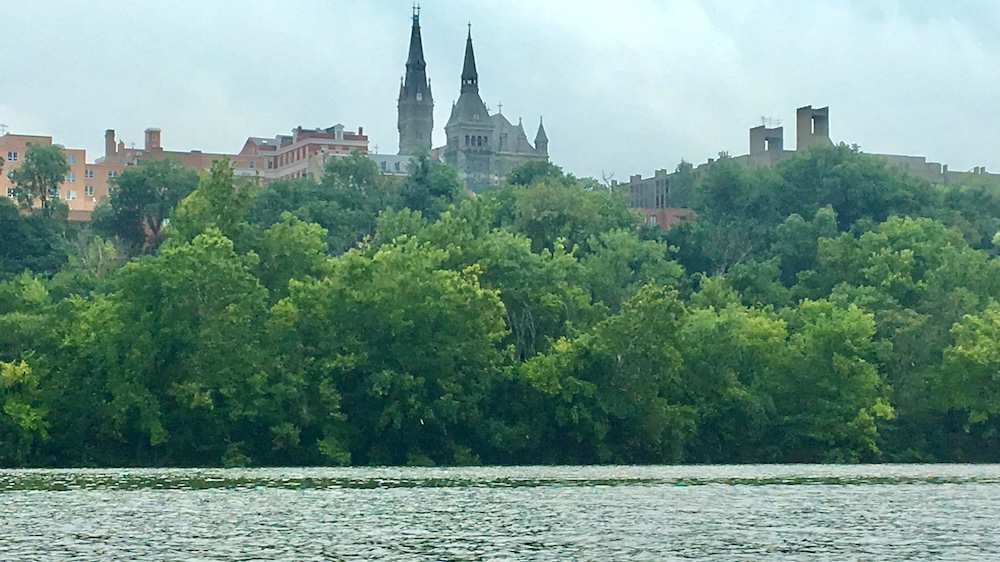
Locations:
{"points": [[12, 156], [71, 195]]}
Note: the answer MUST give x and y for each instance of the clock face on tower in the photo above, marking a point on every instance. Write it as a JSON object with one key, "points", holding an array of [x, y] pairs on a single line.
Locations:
{"points": [[420, 96]]}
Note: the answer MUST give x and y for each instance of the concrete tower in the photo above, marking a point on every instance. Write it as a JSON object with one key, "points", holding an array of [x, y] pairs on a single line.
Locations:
{"points": [[416, 105]]}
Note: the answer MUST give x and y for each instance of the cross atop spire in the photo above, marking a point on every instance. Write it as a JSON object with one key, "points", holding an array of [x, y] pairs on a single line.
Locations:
{"points": [[416, 11]]}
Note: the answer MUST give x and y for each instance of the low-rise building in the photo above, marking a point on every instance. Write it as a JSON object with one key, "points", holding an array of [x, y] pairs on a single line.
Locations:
{"points": [[246, 164], [303, 153], [84, 185], [657, 198]]}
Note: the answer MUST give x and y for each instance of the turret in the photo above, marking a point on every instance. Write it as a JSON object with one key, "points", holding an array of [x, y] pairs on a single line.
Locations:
{"points": [[541, 140]]}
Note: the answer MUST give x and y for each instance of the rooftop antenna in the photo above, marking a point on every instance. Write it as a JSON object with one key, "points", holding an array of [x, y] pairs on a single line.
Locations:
{"points": [[769, 122], [376, 149], [3, 129]]}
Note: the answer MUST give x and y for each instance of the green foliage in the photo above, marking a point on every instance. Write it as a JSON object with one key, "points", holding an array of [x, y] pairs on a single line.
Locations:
{"points": [[22, 418], [29, 242], [968, 380], [828, 309], [218, 202], [411, 350], [430, 187], [37, 180], [144, 197], [536, 170], [557, 212]]}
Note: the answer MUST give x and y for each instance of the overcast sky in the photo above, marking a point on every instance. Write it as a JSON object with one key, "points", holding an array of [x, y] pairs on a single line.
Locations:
{"points": [[625, 86]]}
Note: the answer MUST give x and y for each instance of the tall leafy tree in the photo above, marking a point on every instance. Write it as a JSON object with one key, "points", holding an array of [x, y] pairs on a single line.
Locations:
{"points": [[142, 201], [37, 180]]}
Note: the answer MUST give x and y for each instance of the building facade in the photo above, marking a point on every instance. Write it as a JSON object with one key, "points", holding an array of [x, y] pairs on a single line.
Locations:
{"points": [[301, 154], [484, 148], [84, 185], [115, 152]]}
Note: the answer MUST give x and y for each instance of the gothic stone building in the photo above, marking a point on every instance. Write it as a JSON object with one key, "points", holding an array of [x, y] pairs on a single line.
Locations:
{"points": [[483, 148]]}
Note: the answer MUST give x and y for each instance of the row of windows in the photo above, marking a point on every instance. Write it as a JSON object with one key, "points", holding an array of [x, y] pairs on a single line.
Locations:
{"points": [[476, 140], [296, 155], [89, 174], [70, 193], [385, 166]]}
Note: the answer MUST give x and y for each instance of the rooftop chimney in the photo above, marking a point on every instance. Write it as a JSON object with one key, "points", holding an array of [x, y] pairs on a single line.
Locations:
{"points": [[109, 144]]}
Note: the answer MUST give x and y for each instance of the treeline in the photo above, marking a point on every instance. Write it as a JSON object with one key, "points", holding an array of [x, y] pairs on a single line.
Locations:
{"points": [[828, 309]]}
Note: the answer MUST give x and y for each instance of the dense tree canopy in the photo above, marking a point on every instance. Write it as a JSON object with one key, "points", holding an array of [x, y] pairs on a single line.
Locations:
{"points": [[143, 198], [828, 309]]}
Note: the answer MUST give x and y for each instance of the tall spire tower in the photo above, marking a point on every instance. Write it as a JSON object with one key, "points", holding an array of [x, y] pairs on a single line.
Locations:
{"points": [[416, 105], [470, 129]]}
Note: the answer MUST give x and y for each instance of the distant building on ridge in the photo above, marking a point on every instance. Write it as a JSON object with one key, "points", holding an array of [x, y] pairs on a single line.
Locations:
{"points": [[483, 147]]}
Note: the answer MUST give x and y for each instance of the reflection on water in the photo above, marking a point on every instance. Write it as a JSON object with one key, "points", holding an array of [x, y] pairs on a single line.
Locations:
{"points": [[912, 512]]}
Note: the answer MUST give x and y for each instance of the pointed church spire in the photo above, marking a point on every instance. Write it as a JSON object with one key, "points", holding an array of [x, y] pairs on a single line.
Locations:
{"points": [[415, 82], [416, 106], [541, 141], [415, 61], [470, 78], [540, 136]]}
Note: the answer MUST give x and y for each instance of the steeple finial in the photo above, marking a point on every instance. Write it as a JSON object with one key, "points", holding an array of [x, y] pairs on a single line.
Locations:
{"points": [[415, 60], [470, 78], [540, 136]]}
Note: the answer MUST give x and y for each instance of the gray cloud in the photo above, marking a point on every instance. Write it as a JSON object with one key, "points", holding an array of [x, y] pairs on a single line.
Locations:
{"points": [[625, 87]]}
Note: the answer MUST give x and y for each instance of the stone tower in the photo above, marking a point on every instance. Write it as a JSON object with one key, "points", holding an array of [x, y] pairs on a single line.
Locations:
{"points": [[416, 105], [470, 129]]}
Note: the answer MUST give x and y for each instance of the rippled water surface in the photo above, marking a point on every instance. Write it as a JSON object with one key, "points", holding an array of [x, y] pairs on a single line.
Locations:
{"points": [[735, 513]]}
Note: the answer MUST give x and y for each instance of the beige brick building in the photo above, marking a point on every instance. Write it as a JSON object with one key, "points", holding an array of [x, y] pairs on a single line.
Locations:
{"points": [[82, 188]]}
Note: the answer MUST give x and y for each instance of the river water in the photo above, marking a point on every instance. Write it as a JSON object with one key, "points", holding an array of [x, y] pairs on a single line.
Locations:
{"points": [[732, 513]]}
